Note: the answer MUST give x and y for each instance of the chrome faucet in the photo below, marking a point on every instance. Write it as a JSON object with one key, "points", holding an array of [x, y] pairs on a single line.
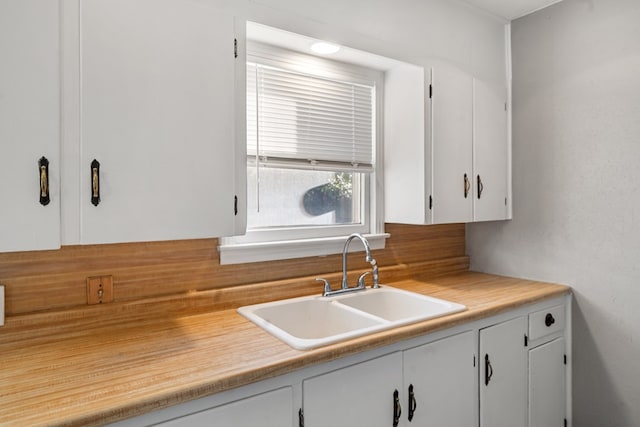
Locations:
{"points": [[345, 285], [368, 258]]}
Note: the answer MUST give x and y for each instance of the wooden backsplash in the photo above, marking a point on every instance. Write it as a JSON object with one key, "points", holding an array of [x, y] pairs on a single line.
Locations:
{"points": [[56, 280]]}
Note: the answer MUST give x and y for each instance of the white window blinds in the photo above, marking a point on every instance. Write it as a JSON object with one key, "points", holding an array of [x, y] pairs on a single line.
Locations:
{"points": [[300, 120]]}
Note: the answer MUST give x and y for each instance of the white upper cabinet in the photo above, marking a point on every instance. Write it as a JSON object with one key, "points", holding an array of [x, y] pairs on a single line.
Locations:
{"points": [[450, 164], [406, 158], [159, 104], [490, 153], [451, 145], [29, 125]]}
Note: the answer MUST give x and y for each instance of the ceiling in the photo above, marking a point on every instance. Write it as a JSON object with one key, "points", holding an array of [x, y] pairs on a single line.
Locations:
{"points": [[510, 9]]}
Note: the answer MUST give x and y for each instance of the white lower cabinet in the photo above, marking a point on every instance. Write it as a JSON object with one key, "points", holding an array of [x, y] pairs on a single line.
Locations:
{"points": [[503, 374], [547, 385], [270, 409], [508, 370], [433, 384], [360, 395], [442, 377]]}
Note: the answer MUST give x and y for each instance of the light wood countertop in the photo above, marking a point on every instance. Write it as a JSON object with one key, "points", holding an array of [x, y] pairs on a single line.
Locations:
{"points": [[116, 363]]}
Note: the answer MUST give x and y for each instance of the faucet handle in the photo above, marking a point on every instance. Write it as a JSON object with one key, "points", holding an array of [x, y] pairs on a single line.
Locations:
{"points": [[361, 279], [327, 286]]}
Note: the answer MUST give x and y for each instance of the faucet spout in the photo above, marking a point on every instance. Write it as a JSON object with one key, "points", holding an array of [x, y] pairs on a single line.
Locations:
{"points": [[368, 258]]}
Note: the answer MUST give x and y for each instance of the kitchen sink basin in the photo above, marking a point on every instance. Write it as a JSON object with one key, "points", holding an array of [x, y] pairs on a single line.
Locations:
{"points": [[309, 319], [315, 321], [399, 306]]}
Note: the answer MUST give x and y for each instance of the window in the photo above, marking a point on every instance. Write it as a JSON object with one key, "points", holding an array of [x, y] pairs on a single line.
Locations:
{"points": [[311, 156]]}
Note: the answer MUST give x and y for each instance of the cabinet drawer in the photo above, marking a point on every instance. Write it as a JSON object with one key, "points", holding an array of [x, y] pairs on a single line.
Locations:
{"points": [[545, 322]]}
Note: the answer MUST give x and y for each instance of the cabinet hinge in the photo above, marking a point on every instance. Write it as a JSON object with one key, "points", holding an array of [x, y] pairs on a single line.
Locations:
{"points": [[526, 340], [430, 202], [235, 205], [235, 48], [474, 360], [565, 359], [300, 418], [430, 91], [505, 201]]}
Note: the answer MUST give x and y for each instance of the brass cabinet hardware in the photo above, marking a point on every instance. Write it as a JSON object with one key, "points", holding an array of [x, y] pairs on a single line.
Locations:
{"points": [[467, 185], [43, 167], [95, 182]]}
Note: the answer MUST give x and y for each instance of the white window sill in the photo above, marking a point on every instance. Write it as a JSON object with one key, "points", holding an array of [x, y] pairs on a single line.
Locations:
{"points": [[289, 249]]}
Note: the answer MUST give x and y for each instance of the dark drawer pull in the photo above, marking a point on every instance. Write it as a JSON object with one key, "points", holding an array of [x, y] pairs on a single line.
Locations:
{"points": [[488, 370], [549, 320], [412, 403], [397, 410], [467, 185]]}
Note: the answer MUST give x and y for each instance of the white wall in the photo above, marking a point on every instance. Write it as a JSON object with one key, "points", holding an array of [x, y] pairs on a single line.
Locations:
{"points": [[576, 190], [416, 31]]}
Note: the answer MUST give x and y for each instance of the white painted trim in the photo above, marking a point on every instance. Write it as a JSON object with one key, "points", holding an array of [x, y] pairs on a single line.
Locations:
{"points": [[289, 249], [70, 171], [1, 305], [508, 65]]}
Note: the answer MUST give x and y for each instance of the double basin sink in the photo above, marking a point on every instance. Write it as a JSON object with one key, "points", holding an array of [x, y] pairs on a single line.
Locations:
{"points": [[314, 321]]}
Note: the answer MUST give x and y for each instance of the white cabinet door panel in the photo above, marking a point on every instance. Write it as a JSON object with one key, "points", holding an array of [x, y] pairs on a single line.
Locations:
{"points": [[452, 145], [503, 374], [359, 395], [547, 395], [29, 123], [158, 114], [271, 409], [443, 376], [490, 153], [406, 149]]}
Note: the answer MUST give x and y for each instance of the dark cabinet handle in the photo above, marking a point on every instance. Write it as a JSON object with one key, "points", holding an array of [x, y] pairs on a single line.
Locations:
{"points": [[95, 182], [412, 403], [397, 410], [467, 185], [43, 168], [488, 370], [480, 186], [549, 320]]}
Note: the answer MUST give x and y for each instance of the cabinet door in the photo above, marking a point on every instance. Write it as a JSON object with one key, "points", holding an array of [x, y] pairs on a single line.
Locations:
{"points": [[452, 112], [503, 378], [359, 395], [406, 149], [158, 114], [271, 409], [29, 123], [547, 387], [490, 152], [442, 376]]}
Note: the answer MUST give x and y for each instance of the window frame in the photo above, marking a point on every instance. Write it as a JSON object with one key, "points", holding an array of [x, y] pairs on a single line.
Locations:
{"points": [[305, 241]]}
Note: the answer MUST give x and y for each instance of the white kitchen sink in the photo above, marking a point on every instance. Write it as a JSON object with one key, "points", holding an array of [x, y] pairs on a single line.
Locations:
{"points": [[315, 321]]}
